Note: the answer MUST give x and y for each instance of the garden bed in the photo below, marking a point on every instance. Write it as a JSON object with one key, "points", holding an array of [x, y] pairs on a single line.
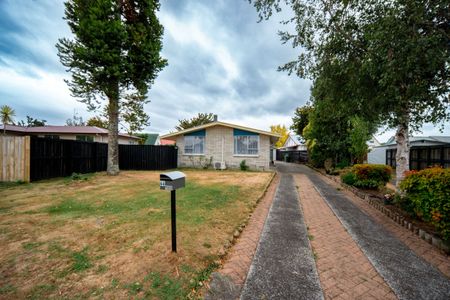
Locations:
{"points": [[424, 230]]}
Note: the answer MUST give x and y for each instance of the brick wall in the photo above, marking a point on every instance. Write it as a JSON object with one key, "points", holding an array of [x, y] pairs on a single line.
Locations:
{"points": [[213, 148]]}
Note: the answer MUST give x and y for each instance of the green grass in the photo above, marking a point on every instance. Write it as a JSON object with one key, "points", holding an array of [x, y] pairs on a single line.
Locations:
{"points": [[40, 290], [194, 198], [103, 227], [32, 246], [81, 260], [7, 289]]}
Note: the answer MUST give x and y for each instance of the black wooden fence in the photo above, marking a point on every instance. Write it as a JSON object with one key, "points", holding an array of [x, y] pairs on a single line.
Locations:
{"points": [[292, 156], [51, 158], [423, 157]]}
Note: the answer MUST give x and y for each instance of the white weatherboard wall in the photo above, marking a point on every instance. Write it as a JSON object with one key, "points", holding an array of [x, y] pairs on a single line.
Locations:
{"points": [[377, 156], [213, 148]]}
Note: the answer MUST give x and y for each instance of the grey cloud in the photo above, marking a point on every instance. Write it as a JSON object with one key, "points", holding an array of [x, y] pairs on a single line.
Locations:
{"points": [[197, 79]]}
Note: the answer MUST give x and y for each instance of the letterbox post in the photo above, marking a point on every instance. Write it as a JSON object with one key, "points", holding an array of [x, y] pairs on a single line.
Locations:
{"points": [[172, 181], [173, 212]]}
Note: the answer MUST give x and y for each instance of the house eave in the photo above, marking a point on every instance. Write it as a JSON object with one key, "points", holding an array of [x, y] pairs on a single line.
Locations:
{"points": [[172, 136]]}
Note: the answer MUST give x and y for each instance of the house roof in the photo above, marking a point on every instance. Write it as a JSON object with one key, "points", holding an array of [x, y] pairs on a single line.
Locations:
{"points": [[166, 142], [294, 140], [151, 139], [421, 139], [218, 123], [62, 129]]}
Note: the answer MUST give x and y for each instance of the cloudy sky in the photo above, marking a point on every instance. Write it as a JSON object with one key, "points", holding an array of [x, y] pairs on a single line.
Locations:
{"points": [[221, 60]]}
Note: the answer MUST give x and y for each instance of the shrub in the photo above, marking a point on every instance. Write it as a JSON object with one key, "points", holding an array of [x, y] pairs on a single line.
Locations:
{"points": [[368, 176], [348, 178], [243, 165], [427, 195], [342, 164]]}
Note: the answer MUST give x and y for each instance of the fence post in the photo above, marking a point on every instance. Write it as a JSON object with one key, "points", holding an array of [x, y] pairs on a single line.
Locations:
{"points": [[26, 159]]}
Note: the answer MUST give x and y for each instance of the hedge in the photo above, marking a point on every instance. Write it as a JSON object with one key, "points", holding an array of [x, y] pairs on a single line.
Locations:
{"points": [[367, 176], [427, 196]]}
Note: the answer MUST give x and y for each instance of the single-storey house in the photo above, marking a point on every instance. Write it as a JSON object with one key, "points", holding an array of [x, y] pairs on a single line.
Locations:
{"points": [[79, 133], [373, 142], [424, 152], [292, 143], [224, 145]]}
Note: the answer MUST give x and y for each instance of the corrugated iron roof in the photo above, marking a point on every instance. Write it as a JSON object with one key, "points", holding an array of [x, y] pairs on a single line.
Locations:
{"points": [[49, 129]]}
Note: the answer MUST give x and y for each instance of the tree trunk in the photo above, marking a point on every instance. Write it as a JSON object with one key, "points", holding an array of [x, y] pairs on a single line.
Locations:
{"points": [[113, 142], [402, 156]]}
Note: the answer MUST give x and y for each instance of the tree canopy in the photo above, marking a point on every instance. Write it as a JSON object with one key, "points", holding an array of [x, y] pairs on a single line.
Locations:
{"points": [[114, 59], [301, 119], [200, 119], [390, 59], [281, 130], [32, 122], [7, 115], [97, 121]]}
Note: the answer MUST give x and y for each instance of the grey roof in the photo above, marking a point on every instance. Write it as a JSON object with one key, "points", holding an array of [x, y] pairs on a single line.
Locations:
{"points": [[434, 139]]}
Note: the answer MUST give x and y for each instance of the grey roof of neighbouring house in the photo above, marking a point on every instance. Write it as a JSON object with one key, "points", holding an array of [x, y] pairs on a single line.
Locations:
{"points": [[417, 140], [49, 129]]}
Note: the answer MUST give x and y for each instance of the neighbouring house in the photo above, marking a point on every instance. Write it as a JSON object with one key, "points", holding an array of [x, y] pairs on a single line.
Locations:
{"points": [[424, 152], [292, 143], [223, 144], [167, 142], [372, 143], [79, 133], [152, 139], [293, 150]]}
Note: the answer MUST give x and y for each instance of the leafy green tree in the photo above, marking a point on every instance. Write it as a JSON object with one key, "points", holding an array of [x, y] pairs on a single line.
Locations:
{"points": [[200, 119], [7, 116], [359, 134], [281, 130], [97, 121], [32, 122], [114, 58], [393, 56], [301, 119]]}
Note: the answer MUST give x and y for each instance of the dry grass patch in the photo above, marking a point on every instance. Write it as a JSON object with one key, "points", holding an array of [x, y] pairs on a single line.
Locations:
{"points": [[110, 236]]}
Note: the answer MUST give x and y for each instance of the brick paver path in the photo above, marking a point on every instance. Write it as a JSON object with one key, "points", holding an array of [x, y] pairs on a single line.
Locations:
{"points": [[241, 254], [344, 271]]}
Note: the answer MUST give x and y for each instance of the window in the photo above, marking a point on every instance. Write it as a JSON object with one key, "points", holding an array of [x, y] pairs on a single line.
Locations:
{"points": [[194, 142], [245, 142], [85, 138]]}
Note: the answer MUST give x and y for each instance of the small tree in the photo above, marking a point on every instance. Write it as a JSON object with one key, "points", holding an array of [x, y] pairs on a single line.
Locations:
{"points": [[281, 130], [359, 135], [301, 119], [32, 122], [200, 119], [76, 120], [7, 116], [114, 58], [97, 122]]}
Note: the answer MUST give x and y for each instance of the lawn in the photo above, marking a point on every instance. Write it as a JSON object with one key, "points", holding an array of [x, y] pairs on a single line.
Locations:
{"points": [[109, 237]]}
